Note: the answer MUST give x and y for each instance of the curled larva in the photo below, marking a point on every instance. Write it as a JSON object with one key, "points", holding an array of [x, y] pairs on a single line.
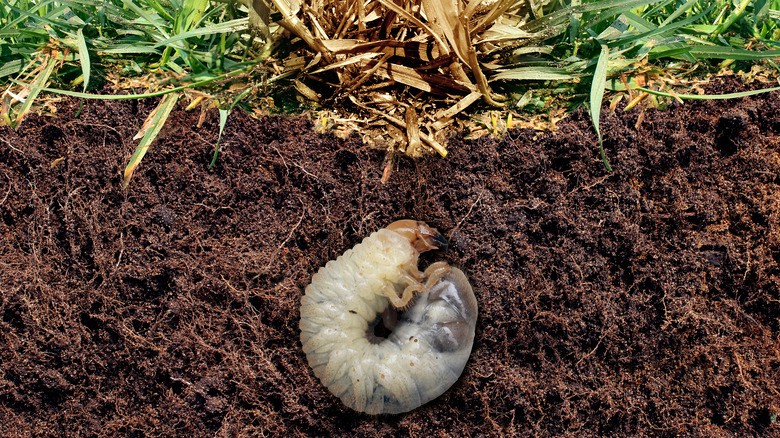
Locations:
{"points": [[427, 349]]}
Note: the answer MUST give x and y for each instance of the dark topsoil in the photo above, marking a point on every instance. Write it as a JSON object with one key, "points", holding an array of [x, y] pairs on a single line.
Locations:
{"points": [[639, 302]]}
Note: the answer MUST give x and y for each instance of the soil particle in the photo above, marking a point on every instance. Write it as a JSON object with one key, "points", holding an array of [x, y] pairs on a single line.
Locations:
{"points": [[638, 302]]}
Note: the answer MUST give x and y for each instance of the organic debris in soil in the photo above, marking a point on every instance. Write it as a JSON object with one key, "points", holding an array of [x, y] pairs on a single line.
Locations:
{"points": [[641, 302]]}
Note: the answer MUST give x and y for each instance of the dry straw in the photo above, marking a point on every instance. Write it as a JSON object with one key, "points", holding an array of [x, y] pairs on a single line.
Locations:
{"points": [[408, 65]]}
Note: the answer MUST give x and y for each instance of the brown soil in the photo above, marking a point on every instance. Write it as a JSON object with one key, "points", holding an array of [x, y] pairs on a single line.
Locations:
{"points": [[639, 302]]}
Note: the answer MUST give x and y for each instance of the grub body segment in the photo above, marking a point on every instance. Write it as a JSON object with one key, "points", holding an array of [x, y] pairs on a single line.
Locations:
{"points": [[427, 350]]}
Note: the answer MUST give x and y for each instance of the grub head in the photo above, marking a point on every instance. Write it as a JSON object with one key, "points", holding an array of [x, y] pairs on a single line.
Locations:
{"points": [[419, 234]]}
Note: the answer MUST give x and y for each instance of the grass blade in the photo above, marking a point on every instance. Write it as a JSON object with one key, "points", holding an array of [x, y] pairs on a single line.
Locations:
{"points": [[154, 122], [195, 84], [11, 67], [667, 29], [37, 85], [223, 116], [720, 52], [157, 22], [597, 94], [733, 17], [709, 96], [236, 25], [534, 74], [83, 56]]}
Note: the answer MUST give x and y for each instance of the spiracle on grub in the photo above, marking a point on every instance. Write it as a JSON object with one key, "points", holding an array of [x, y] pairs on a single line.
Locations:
{"points": [[428, 347]]}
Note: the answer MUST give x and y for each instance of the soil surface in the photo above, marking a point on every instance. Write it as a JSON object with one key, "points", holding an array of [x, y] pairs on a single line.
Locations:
{"points": [[639, 302]]}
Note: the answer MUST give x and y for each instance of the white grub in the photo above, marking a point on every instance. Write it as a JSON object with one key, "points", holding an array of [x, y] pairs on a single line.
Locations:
{"points": [[427, 349]]}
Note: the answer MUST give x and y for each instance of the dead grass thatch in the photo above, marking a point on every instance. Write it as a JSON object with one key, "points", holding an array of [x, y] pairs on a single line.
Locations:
{"points": [[404, 68]]}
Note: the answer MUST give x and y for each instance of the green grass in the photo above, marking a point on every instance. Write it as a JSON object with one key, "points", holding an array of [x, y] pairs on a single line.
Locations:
{"points": [[637, 38], [181, 45], [174, 46], [194, 37]]}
